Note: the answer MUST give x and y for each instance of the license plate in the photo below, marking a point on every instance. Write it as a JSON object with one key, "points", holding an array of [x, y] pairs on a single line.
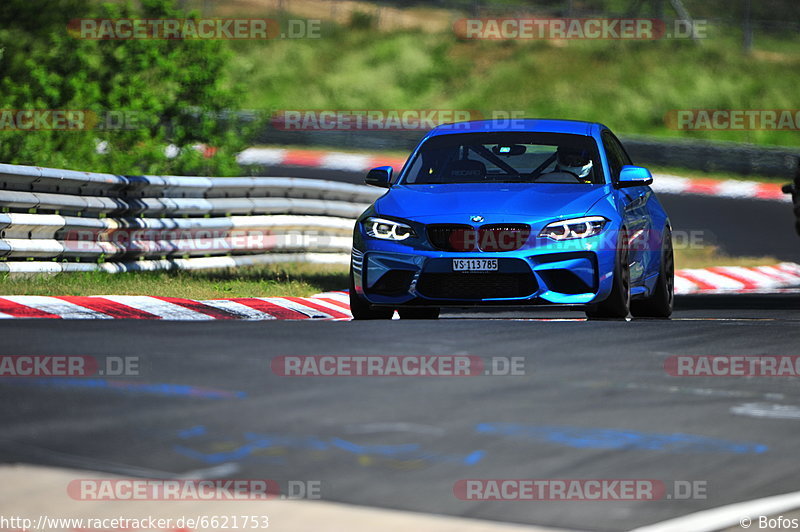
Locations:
{"points": [[474, 265]]}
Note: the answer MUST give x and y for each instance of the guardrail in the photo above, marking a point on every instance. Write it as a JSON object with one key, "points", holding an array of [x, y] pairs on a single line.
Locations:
{"points": [[61, 220]]}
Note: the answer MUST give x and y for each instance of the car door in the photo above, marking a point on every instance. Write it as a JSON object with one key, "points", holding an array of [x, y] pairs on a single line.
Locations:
{"points": [[634, 203]]}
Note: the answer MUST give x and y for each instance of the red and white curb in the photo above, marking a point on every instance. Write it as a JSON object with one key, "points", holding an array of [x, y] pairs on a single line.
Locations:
{"points": [[731, 188], [326, 306], [328, 160], [336, 305], [362, 162], [737, 279]]}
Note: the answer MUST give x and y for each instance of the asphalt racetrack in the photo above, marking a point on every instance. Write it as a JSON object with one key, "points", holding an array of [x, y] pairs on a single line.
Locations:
{"points": [[594, 400]]}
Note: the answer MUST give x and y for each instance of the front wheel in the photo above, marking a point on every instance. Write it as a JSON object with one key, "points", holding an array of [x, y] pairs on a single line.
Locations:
{"points": [[618, 303], [660, 303], [362, 310]]}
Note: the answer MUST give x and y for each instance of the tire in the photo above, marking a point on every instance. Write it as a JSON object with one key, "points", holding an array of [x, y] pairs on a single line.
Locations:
{"points": [[361, 310], [618, 303], [419, 313], [660, 303]]}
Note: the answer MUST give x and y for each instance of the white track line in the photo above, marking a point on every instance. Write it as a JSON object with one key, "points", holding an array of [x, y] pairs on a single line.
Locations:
{"points": [[727, 516], [27, 491], [766, 410]]}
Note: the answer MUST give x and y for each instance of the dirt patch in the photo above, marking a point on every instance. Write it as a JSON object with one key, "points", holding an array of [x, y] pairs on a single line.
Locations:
{"points": [[387, 18]]}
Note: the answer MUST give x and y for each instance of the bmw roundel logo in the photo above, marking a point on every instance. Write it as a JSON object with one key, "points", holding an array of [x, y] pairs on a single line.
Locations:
{"points": [[477, 219]]}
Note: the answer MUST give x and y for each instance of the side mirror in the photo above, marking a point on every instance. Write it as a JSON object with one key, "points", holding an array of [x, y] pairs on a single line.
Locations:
{"points": [[379, 177], [634, 176]]}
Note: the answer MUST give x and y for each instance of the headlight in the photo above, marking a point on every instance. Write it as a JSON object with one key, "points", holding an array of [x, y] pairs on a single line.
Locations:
{"points": [[387, 229], [574, 228]]}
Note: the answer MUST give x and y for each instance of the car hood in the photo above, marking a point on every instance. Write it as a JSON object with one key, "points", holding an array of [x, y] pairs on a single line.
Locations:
{"points": [[514, 199]]}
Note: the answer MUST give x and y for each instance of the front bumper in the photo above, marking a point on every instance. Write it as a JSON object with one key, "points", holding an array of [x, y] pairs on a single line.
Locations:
{"points": [[577, 272]]}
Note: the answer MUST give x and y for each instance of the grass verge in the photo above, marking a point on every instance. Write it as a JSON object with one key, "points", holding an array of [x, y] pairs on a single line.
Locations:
{"points": [[275, 280], [710, 256], [272, 280]]}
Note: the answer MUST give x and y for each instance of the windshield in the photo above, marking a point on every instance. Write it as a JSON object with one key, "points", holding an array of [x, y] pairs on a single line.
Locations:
{"points": [[506, 158]]}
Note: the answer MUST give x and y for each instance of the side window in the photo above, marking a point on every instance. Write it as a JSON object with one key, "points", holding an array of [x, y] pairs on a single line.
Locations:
{"points": [[617, 156], [620, 149]]}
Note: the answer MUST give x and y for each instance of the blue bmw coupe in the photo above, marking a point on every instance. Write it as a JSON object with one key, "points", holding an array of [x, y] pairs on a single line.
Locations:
{"points": [[528, 212]]}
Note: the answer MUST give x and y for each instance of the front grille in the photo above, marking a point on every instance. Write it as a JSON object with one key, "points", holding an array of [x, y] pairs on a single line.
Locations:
{"points": [[452, 237], [491, 238], [476, 285], [503, 237]]}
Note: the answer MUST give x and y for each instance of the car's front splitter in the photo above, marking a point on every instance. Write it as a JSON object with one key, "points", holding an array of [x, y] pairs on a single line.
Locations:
{"points": [[524, 277]]}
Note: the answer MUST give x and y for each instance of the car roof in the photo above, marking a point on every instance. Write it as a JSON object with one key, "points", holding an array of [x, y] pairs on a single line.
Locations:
{"points": [[533, 125]]}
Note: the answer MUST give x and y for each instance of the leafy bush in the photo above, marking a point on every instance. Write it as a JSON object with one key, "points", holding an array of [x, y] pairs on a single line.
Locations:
{"points": [[173, 89]]}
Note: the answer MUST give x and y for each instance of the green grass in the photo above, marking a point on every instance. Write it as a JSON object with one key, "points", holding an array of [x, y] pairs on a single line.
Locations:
{"points": [[628, 85], [281, 280], [710, 256], [257, 281]]}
